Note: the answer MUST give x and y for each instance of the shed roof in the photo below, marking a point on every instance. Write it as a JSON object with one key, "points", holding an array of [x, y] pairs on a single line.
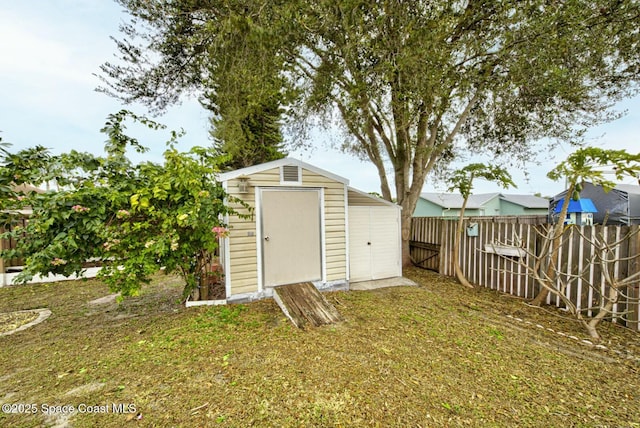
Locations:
{"points": [[276, 164], [584, 205], [527, 201], [374, 199], [454, 200]]}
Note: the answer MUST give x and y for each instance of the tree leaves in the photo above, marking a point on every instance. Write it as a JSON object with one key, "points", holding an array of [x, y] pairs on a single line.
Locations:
{"points": [[412, 83], [593, 163], [135, 219]]}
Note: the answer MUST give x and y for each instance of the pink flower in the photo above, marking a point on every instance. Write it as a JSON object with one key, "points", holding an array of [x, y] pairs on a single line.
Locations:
{"points": [[122, 213], [79, 208], [110, 244], [220, 231]]}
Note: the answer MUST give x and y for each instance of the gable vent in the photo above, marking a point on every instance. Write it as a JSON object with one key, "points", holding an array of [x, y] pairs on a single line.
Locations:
{"points": [[291, 174]]}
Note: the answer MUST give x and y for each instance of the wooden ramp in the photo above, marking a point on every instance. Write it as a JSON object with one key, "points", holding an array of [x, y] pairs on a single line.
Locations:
{"points": [[302, 303]]}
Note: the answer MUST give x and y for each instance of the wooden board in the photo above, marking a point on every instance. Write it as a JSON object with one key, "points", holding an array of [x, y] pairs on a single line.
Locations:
{"points": [[302, 303]]}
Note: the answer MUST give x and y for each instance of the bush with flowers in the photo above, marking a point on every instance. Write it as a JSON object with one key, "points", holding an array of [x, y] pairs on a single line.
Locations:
{"points": [[135, 219]]}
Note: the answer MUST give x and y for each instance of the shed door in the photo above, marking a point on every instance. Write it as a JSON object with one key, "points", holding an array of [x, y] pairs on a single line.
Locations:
{"points": [[359, 244], [374, 243], [290, 236]]}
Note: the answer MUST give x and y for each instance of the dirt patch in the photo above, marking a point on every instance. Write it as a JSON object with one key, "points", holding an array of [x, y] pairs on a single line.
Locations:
{"points": [[13, 322]]}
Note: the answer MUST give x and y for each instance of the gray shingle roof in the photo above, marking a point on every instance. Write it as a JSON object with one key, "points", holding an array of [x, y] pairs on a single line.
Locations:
{"points": [[629, 188], [527, 201], [453, 200]]}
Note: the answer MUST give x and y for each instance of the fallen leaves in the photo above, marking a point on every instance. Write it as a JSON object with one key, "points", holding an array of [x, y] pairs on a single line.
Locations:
{"points": [[10, 321], [433, 355]]}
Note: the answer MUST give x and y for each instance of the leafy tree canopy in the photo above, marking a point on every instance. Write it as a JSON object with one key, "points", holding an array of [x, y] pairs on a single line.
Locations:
{"points": [[463, 178], [593, 164], [253, 139], [413, 82], [586, 163], [462, 181], [134, 219]]}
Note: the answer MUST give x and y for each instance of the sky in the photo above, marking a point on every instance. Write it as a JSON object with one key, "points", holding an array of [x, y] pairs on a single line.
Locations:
{"points": [[50, 54]]}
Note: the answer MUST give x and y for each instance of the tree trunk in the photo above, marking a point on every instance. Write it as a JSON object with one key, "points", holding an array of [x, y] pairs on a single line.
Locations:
{"points": [[405, 228], [606, 308], [556, 239], [456, 247]]}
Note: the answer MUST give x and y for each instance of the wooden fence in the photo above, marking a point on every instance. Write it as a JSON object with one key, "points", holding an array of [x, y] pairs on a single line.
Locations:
{"points": [[8, 244], [499, 255]]}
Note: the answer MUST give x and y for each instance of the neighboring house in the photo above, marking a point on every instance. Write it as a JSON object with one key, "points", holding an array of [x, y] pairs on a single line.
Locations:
{"points": [[579, 212], [523, 205], [488, 204], [619, 206], [306, 225], [449, 205]]}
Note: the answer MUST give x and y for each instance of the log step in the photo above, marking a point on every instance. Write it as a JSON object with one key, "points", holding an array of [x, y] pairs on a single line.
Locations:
{"points": [[302, 303]]}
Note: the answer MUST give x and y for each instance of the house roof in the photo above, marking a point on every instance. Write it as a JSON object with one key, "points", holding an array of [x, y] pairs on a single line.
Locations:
{"points": [[583, 205], [527, 201], [453, 200], [628, 188], [276, 164]]}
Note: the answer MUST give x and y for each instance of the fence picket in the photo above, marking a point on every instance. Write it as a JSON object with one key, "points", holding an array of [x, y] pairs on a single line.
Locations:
{"points": [[510, 274]]}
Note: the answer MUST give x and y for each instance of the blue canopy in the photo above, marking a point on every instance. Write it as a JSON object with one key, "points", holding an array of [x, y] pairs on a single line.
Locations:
{"points": [[580, 206]]}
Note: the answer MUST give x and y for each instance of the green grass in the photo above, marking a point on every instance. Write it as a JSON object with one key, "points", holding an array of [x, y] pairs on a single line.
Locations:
{"points": [[434, 355]]}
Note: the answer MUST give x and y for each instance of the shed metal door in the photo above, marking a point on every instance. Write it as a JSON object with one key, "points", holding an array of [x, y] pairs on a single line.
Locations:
{"points": [[359, 244], [374, 242], [290, 236]]}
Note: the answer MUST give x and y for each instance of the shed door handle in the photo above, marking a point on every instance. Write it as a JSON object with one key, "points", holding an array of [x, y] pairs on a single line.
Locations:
{"points": [[266, 238]]}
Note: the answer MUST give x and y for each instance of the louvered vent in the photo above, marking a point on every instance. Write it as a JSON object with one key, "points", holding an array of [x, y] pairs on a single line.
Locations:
{"points": [[290, 174]]}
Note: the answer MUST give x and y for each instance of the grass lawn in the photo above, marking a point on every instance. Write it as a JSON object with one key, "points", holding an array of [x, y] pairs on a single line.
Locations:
{"points": [[434, 355]]}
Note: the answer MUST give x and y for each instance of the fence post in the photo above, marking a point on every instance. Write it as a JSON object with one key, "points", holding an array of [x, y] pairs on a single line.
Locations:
{"points": [[633, 290], [442, 241]]}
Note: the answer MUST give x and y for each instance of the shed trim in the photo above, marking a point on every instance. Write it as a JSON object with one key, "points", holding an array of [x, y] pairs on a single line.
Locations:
{"points": [[346, 232], [259, 254], [225, 253], [277, 164], [323, 234]]}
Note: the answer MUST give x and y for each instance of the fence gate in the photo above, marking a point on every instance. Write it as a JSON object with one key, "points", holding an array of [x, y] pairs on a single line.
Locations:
{"points": [[425, 255], [425, 244]]}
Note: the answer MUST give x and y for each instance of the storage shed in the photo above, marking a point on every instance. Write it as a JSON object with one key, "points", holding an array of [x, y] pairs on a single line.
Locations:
{"points": [[306, 224]]}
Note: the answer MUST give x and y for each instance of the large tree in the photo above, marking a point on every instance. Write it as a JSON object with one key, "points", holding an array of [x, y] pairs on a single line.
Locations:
{"points": [[253, 139], [414, 82]]}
